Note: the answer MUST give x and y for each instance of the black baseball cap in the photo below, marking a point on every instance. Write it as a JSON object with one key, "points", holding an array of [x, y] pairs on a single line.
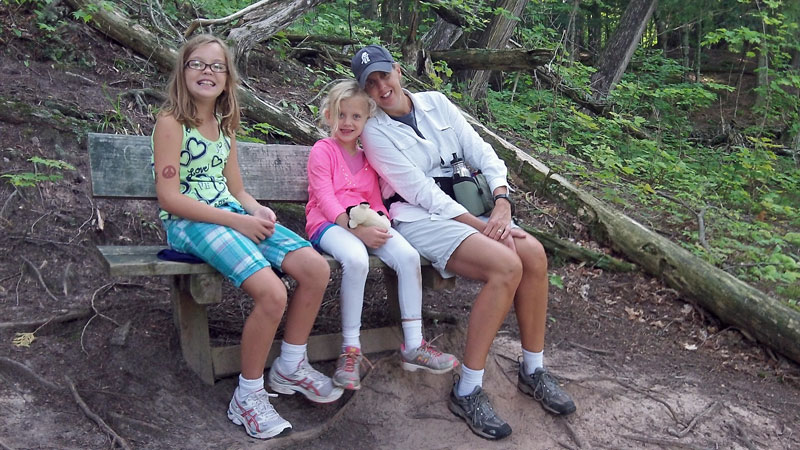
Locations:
{"points": [[372, 58]]}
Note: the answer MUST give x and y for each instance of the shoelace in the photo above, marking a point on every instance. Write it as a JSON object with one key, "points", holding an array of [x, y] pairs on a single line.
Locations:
{"points": [[427, 347], [351, 358], [480, 407], [546, 382], [262, 406]]}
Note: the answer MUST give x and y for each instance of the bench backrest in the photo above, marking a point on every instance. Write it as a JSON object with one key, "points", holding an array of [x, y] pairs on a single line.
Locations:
{"points": [[120, 168]]}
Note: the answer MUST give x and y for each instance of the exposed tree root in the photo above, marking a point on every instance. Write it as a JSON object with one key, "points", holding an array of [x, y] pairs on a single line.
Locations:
{"points": [[667, 443], [694, 422], [8, 364], [95, 418], [66, 317], [39, 276]]}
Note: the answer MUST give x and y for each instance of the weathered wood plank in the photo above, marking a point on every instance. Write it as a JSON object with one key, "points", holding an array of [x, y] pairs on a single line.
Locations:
{"points": [[130, 261], [322, 347], [192, 321], [121, 168]]}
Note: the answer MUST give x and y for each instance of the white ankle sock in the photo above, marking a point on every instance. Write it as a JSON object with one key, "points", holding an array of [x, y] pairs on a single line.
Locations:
{"points": [[469, 379], [290, 358], [350, 339], [532, 361], [412, 333], [247, 387]]}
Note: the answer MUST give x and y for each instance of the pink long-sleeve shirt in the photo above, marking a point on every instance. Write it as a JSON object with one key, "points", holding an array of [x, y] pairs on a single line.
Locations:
{"points": [[332, 186]]}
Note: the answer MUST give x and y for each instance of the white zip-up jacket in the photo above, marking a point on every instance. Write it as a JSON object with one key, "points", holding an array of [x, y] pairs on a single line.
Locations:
{"points": [[407, 163]]}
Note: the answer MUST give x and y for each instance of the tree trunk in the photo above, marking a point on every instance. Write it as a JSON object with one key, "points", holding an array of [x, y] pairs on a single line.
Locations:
{"points": [[442, 35], [390, 15], [697, 52], [263, 23], [595, 31], [769, 321], [620, 47], [411, 44], [661, 34], [572, 33], [685, 50], [111, 22], [495, 36]]}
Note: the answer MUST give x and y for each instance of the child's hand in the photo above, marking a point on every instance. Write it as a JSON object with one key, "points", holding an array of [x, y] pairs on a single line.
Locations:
{"points": [[255, 228], [266, 213], [372, 237]]}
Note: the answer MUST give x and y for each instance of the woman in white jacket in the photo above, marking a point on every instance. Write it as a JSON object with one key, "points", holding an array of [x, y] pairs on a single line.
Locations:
{"points": [[410, 143]]}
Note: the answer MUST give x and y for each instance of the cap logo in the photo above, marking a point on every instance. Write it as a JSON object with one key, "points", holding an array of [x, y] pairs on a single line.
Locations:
{"points": [[364, 58]]}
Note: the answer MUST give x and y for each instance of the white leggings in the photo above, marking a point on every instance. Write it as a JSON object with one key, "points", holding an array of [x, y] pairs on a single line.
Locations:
{"points": [[353, 255]]}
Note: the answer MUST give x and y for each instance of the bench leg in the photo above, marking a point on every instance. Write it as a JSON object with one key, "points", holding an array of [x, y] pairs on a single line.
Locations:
{"points": [[191, 319]]}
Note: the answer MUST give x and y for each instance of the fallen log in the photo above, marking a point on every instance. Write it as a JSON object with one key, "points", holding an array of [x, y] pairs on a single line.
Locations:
{"points": [[112, 22], [568, 250], [769, 320], [493, 59]]}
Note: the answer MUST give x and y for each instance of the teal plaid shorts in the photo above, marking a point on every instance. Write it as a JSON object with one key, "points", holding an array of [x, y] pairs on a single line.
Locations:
{"points": [[230, 252]]}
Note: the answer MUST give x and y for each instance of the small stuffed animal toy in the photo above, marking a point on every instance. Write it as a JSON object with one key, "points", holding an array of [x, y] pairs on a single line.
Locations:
{"points": [[361, 214]]}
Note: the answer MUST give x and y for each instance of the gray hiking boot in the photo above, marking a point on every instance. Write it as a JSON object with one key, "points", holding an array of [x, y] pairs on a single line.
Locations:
{"points": [[477, 411], [544, 388]]}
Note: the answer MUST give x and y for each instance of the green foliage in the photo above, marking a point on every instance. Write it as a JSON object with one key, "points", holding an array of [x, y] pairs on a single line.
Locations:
{"points": [[749, 194], [556, 280], [52, 169]]}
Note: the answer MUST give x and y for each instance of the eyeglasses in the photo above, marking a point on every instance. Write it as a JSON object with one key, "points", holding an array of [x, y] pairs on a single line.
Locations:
{"points": [[200, 65]]}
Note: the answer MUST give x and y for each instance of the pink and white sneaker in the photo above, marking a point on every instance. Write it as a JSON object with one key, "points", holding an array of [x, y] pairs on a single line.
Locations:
{"points": [[427, 357]]}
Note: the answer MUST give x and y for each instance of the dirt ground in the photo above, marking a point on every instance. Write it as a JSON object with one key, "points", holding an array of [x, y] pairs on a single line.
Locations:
{"points": [[647, 369]]}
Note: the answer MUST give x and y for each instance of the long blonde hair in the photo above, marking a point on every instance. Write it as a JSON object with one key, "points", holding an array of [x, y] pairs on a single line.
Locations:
{"points": [[341, 91], [179, 102]]}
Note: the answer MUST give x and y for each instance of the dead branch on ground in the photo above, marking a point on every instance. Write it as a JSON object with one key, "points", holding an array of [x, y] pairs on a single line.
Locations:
{"points": [[117, 439], [10, 365], [66, 317], [39, 276], [96, 312], [572, 433], [701, 224], [693, 422], [664, 442]]}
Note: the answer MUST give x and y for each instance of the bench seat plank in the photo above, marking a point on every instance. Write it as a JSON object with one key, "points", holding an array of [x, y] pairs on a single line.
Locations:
{"points": [[143, 260]]}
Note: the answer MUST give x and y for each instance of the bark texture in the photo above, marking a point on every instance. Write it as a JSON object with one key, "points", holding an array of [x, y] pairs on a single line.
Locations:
{"points": [[495, 36], [262, 23], [617, 53]]}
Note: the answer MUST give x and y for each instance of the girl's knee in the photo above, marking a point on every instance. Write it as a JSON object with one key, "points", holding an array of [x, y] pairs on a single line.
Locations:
{"points": [[357, 264], [270, 303]]}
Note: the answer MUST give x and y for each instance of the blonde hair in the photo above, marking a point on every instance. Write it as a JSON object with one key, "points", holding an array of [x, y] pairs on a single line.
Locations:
{"points": [[179, 102], [342, 90]]}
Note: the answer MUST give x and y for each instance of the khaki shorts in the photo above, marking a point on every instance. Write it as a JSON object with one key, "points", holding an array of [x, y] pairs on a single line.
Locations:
{"points": [[436, 240]]}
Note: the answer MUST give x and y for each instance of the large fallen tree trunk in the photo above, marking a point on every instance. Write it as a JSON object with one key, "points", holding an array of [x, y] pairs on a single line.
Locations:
{"points": [[733, 301], [116, 25], [534, 61]]}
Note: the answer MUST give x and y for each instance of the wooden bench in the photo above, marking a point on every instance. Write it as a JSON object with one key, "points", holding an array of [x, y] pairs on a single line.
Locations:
{"points": [[120, 169]]}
